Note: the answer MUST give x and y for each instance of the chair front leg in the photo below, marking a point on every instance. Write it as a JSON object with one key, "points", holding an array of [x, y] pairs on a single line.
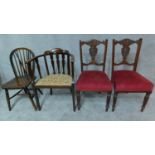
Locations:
{"points": [[37, 98], [30, 97], [78, 100], [40, 91], [8, 99], [108, 101], [73, 97], [114, 101], [145, 101], [51, 91]]}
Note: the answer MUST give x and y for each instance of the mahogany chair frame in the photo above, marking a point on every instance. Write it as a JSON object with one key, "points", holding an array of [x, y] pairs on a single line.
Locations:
{"points": [[66, 62], [22, 81], [126, 43], [93, 50]]}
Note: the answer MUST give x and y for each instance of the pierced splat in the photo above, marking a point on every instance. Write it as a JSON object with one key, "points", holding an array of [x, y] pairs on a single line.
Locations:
{"points": [[126, 48], [93, 52], [125, 52]]}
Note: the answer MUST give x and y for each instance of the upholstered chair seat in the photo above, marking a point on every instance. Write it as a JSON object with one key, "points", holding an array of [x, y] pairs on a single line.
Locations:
{"points": [[93, 81], [131, 81], [55, 80]]}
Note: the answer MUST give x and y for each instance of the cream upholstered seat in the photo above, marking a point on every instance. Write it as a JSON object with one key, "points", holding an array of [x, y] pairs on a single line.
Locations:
{"points": [[55, 80], [54, 69]]}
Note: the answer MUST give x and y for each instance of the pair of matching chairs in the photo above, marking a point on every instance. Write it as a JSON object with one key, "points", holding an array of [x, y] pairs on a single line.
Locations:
{"points": [[55, 69], [122, 80]]}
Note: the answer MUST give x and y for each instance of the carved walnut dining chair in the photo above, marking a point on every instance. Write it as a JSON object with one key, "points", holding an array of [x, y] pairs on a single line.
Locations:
{"points": [[21, 81], [128, 81], [54, 69], [93, 80]]}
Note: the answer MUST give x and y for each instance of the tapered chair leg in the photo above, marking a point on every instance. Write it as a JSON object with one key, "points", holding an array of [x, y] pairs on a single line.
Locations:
{"points": [[37, 99], [31, 98], [114, 101], [146, 98], [78, 99], [73, 97], [40, 92], [8, 99], [108, 101], [51, 91]]}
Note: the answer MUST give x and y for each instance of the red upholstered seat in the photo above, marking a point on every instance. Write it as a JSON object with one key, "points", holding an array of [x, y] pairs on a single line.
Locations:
{"points": [[93, 81], [131, 81]]}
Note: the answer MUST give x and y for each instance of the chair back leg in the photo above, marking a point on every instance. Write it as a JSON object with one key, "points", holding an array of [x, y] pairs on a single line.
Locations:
{"points": [[108, 101], [73, 97], [78, 99], [114, 101], [145, 101], [51, 91]]}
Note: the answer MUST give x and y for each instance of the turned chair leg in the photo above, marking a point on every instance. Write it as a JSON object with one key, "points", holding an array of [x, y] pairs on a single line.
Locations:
{"points": [[145, 101], [73, 97], [8, 99], [114, 101], [30, 97], [78, 100], [108, 101]]}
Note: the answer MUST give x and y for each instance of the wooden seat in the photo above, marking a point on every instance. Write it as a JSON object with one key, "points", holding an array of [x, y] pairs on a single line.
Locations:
{"points": [[129, 81], [17, 83], [93, 80], [22, 80], [54, 69]]}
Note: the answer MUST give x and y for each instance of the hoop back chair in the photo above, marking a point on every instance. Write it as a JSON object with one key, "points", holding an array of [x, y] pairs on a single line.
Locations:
{"points": [[22, 80], [54, 69], [129, 81], [93, 80]]}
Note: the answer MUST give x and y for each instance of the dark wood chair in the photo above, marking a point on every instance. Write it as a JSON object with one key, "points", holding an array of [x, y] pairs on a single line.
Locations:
{"points": [[128, 81], [21, 81], [54, 69], [93, 80]]}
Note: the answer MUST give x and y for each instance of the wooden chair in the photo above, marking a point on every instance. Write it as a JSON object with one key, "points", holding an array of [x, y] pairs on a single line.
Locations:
{"points": [[129, 81], [54, 69], [21, 81], [93, 80]]}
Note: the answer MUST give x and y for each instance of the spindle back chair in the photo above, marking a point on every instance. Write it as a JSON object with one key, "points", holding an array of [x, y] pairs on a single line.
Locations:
{"points": [[22, 80], [54, 69]]}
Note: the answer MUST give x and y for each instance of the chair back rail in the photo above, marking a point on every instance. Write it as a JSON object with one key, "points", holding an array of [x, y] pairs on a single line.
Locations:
{"points": [[55, 61], [18, 58]]}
